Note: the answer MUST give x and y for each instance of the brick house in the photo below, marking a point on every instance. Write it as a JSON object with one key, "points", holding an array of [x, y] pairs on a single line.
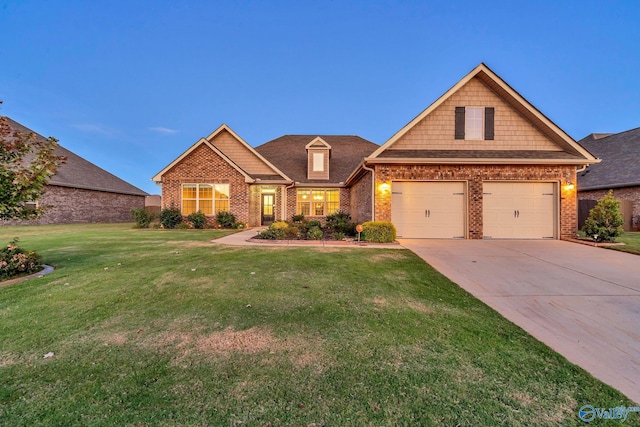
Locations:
{"points": [[480, 162], [82, 192], [619, 170], [292, 174]]}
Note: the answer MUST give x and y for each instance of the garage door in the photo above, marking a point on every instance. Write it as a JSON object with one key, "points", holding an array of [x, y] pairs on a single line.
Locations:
{"points": [[519, 210], [428, 209]]}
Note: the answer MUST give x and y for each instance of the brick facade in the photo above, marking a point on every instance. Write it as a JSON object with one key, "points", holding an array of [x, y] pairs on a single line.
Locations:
{"points": [[475, 175], [361, 199], [73, 205], [203, 165]]}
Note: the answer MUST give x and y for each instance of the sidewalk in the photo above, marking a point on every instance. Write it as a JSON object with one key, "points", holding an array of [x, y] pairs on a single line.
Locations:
{"points": [[243, 238]]}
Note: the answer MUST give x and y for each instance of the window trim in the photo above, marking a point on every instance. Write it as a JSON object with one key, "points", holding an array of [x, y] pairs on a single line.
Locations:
{"points": [[325, 201], [197, 199]]}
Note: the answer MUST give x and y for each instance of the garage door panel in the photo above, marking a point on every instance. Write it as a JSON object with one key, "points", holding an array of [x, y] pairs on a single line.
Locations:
{"points": [[520, 210], [428, 209]]}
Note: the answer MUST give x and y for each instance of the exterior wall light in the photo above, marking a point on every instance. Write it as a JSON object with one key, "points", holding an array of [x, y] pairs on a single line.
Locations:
{"points": [[569, 186], [384, 187]]}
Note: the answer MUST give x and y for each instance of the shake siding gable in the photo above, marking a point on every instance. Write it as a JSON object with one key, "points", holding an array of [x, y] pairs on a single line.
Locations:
{"points": [[240, 154], [437, 131]]}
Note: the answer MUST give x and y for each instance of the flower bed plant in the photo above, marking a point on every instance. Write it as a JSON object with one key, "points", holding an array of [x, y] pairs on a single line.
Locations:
{"points": [[15, 261], [337, 226]]}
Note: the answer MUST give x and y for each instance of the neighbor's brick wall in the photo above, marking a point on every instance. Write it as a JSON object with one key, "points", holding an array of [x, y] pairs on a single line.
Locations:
{"points": [[629, 193], [475, 175], [361, 198], [437, 130], [74, 205], [203, 165]]}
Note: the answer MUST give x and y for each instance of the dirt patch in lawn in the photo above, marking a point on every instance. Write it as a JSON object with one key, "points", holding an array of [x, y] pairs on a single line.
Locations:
{"points": [[387, 256]]}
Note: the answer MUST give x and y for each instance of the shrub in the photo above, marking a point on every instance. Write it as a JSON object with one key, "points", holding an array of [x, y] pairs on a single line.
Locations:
{"points": [[182, 226], [340, 222], [239, 225], [604, 222], [314, 233], [378, 232], [292, 232], [279, 225], [170, 217], [314, 223], [268, 234], [225, 219], [15, 261], [198, 219], [297, 218], [338, 236], [142, 217]]}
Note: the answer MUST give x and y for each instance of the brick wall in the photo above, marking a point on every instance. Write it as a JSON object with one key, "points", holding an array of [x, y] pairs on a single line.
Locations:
{"points": [[360, 206], [203, 165], [475, 175], [74, 205]]}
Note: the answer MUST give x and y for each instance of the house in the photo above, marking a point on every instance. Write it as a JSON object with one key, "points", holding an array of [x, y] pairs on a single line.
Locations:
{"points": [[480, 162], [83, 192], [293, 174], [619, 170]]}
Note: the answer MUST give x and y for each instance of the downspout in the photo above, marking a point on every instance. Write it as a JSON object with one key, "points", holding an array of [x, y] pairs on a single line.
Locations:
{"points": [[581, 169], [373, 189]]}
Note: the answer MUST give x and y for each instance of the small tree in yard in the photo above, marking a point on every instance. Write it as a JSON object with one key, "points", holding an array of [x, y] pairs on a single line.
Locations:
{"points": [[604, 222], [26, 165]]}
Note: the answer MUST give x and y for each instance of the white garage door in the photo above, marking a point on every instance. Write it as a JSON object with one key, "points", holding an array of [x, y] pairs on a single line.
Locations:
{"points": [[519, 210], [428, 209]]}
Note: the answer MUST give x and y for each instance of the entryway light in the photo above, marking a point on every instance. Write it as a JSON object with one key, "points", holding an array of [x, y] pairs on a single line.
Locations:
{"points": [[569, 186], [384, 187]]}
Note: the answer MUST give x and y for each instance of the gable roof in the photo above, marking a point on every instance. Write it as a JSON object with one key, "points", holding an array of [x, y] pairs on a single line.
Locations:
{"points": [[77, 172], [577, 154], [275, 176], [289, 153], [620, 166]]}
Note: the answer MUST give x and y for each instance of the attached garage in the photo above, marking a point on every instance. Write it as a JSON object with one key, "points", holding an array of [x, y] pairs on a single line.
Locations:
{"points": [[519, 210], [429, 209]]}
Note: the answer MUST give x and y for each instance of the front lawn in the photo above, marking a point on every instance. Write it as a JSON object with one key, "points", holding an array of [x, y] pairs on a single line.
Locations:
{"points": [[155, 327], [631, 242]]}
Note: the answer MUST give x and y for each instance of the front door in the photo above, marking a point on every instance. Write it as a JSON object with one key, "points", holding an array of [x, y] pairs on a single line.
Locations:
{"points": [[267, 209]]}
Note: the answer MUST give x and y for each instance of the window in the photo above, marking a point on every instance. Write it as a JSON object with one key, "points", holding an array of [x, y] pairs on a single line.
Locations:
{"points": [[318, 162], [318, 202], [474, 123], [208, 198]]}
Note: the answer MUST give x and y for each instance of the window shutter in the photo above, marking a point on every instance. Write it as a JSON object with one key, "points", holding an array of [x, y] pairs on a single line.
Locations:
{"points": [[459, 122], [488, 123]]}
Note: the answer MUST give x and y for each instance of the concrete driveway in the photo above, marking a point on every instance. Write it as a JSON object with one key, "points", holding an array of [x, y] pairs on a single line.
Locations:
{"points": [[582, 301]]}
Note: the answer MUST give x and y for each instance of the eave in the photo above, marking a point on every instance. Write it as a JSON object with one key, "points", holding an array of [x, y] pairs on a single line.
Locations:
{"points": [[472, 161]]}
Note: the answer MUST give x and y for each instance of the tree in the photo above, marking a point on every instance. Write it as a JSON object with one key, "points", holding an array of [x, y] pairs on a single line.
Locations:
{"points": [[604, 222], [27, 162]]}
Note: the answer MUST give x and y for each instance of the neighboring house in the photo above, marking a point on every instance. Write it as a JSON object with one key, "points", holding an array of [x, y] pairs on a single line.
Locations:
{"points": [[619, 170], [480, 162], [82, 192]]}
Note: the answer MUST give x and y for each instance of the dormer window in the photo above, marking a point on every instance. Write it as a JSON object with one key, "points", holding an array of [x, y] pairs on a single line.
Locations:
{"points": [[474, 123], [318, 162], [318, 155]]}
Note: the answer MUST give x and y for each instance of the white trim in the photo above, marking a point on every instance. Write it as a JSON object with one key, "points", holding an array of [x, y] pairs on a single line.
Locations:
{"points": [[474, 161], [320, 140]]}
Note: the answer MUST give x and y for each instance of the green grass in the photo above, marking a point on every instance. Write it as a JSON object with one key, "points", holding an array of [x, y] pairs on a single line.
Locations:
{"points": [[631, 242], [153, 327]]}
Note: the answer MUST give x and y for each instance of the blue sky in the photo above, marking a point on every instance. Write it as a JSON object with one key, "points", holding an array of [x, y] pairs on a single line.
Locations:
{"points": [[129, 85]]}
